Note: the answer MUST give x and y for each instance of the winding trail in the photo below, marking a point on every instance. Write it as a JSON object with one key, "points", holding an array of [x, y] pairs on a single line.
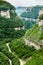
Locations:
{"points": [[8, 47], [10, 62], [29, 43], [10, 52], [22, 62]]}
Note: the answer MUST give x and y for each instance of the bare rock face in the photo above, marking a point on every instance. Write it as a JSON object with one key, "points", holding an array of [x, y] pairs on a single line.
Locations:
{"points": [[5, 14], [40, 18], [6, 8], [40, 22], [40, 12]]}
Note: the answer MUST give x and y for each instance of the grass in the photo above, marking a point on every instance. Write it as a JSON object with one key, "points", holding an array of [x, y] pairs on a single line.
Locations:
{"points": [[37, 58]]}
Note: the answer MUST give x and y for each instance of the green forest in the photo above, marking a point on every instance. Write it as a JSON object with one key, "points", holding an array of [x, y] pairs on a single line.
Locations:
{"points": [[32, 12], [20, 46]]}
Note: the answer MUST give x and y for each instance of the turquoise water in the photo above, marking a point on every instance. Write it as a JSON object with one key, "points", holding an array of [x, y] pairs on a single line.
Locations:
{"points": [[19, 11]]}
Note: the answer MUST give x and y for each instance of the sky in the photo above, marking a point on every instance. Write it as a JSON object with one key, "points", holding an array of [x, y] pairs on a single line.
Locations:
{"points": [[25, 3]]}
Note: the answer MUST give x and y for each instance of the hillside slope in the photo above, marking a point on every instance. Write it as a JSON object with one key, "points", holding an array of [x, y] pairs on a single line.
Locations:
{"points": [[35, 34]]}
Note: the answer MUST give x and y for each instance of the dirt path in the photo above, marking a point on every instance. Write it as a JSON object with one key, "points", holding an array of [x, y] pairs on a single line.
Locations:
{"points": [[29, 43], [10, 62], [10, 52], [8, 47], [22, 62]]}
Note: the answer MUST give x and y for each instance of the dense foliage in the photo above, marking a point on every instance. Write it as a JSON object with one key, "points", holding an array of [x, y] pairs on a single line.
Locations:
{"points": [[7, 25], [7, 28], [8, 35], [18, 46]]}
